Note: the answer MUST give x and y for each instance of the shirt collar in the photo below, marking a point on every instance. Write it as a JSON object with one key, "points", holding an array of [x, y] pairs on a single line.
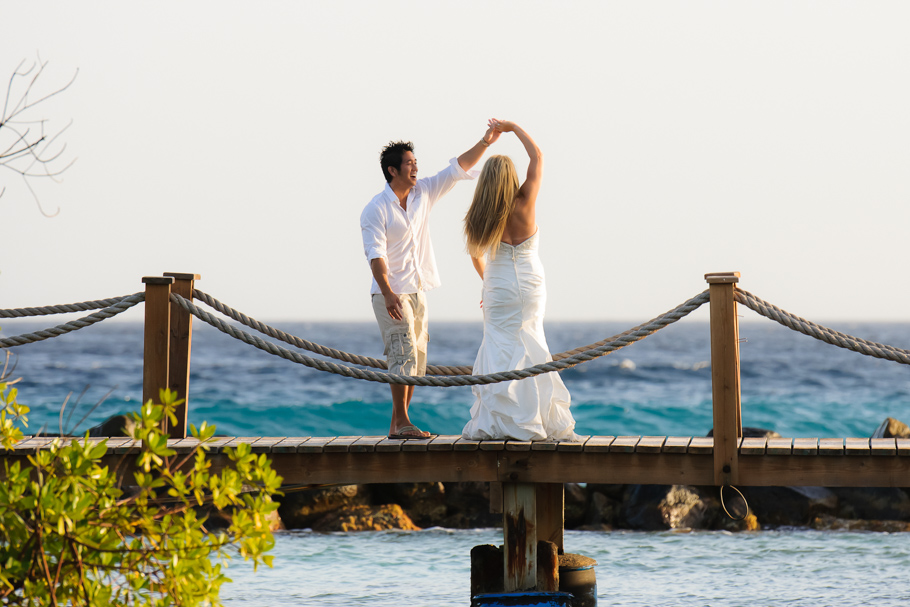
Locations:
{"points": [[390, 195]]}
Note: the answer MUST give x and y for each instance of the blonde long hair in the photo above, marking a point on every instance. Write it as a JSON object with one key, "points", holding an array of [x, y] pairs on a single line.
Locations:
{"points": [[494, 200]]}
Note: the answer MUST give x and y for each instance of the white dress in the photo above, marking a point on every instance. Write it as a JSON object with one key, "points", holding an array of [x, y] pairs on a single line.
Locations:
{"points": [[514, 298]]}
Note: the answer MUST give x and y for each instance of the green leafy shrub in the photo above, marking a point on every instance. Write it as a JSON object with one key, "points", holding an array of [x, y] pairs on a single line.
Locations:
{"points": [[75, 531], [11, 412]]}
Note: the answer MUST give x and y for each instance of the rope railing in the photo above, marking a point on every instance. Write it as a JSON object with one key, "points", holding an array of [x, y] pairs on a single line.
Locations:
{"points": [[597, 344], [630, 337], [83, 306], [356, 359], [120, 305], [830, 336], [113, 306], [314, 347]]}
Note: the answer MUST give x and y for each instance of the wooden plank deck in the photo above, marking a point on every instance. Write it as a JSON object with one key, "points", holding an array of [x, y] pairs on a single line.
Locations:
{"points": [[830, 462]]}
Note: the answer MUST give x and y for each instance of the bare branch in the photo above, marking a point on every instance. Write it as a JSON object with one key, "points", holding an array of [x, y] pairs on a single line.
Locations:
{"points": [[62, 409], [31, 148], [91, 410], [31, 153], [20, 151], [28, 184], [23, 104], [20, 139], [9, 87]]}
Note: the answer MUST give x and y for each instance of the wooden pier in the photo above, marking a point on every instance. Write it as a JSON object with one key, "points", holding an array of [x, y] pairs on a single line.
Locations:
{"points": [[527, 477], [660, 460]]}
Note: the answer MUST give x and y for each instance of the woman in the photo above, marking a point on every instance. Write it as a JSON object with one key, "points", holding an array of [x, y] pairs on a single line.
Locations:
{"points": [[501, 226]]}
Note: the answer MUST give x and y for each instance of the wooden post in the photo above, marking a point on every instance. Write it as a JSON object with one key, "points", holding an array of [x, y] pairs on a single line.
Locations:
{"points": [[547, 567], [157, 335], [725, 376], [495, 497], [519, 528], [551, 506], [486, 569], [180, 348]]}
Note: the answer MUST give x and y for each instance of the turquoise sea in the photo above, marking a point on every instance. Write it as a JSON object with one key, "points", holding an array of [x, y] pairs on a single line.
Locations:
{"points": [[790, 383]]}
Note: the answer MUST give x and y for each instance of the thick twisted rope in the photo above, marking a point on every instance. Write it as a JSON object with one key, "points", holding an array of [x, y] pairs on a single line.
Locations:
{"points": [[122, 305], [835, 338], [356, 358], [61, 309], [310, 346], [459, 380], [597, 344]]}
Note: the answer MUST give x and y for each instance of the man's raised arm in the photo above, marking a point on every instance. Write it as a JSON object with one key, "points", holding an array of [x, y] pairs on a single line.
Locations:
{"points": [[467, 160]]}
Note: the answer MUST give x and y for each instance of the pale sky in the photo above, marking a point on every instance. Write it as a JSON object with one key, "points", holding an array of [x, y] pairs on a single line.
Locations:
{"points": [[240, 141]]}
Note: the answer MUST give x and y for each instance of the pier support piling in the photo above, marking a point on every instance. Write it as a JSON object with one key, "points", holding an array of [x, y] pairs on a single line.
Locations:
{"points": [[519, 517], [547, 567], [495, 497], [551, 507], [486, 569]]}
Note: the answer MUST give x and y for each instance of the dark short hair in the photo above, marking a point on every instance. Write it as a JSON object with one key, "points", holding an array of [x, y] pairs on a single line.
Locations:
{"points": [[392, 155]]}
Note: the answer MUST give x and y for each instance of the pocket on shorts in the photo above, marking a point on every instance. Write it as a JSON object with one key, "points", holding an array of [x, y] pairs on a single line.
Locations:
{"points": [[400, 348]]}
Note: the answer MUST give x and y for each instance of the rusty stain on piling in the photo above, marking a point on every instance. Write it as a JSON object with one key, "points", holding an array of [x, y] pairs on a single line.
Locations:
{"points": [[518, 529]]}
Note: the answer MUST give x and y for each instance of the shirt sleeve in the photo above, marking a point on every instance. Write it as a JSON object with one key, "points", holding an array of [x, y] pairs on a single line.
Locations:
{"points": [[442, 182], [372, 230]]}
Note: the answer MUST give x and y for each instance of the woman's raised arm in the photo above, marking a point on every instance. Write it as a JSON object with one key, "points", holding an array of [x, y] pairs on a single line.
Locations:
{"points": [[529, 189]]}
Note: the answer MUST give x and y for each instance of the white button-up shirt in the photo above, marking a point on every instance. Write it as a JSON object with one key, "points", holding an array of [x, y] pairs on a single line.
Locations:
{"points": [[402, 237]]}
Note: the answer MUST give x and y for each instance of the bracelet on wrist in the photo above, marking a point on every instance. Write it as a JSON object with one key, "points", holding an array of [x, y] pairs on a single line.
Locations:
{"points": [[484, 142]]}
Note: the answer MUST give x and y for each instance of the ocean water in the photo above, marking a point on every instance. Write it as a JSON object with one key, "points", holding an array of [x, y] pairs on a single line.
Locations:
{"points": [[660, 386], [634, 569]]}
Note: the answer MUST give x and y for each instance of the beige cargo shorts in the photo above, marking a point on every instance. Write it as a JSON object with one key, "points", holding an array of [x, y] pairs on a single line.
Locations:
{"points": [[405, 340]]}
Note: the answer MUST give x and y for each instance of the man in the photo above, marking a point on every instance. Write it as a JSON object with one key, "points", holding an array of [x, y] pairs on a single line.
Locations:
{"points": [[396, 241]]}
